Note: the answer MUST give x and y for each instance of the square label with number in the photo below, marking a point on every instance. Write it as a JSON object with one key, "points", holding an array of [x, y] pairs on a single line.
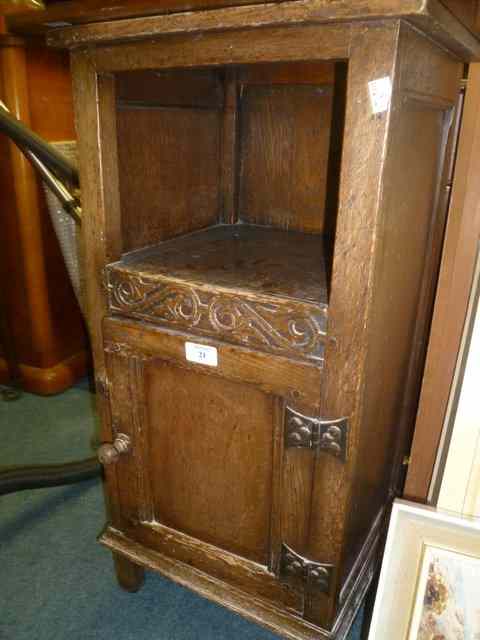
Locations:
{"points": [[380, 94], [201, 353]]}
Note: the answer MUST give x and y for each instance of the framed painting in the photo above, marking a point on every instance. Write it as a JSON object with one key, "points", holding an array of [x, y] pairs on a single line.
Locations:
{"points": [[429, 586]]}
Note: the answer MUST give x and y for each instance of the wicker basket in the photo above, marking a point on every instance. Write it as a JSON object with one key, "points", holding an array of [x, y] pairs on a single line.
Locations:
{"points": [[68, 231]]}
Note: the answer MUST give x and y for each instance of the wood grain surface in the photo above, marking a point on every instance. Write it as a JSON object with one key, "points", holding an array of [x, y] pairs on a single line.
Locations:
{"points": [[285, 136], [250, 285], [433, 17], [295, 143], [458, 261]]}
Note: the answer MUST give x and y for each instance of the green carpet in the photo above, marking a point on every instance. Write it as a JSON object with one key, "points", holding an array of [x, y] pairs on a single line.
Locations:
{"points": [[56, 581]]}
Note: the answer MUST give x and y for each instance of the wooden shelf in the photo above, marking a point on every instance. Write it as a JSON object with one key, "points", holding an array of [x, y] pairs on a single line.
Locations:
{"points": [[257, 286]]}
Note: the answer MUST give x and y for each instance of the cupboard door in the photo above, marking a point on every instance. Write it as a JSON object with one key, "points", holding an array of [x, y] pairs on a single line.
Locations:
{"points": [[210, 458], [206, 479]]}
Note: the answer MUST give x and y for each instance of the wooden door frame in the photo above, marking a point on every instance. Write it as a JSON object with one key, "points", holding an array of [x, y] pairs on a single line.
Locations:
{"points": [[452, 299]]}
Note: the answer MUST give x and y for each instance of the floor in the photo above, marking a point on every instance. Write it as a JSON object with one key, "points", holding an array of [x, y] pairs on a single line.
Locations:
{"points": [[56, 581]]}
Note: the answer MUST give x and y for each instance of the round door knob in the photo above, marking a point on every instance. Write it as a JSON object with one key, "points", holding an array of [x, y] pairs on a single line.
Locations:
{"points": [[108, 453]]}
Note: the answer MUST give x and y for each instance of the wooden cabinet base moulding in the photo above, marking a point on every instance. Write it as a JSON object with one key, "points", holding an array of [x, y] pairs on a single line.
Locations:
{"points": [[266, 194], [287, 624]]}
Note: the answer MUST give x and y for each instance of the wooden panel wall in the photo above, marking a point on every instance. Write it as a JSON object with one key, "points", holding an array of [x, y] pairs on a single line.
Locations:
{"points": [[285, 122], [168, 150], [284, 156], [200, 147]]}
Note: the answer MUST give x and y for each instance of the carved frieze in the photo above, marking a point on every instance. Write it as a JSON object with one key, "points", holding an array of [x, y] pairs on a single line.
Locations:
{"points": [[288, 327]]}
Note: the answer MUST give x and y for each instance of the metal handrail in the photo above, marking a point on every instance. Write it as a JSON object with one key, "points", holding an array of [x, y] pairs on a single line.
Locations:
{"points": [[25, 138], [56, 170]]}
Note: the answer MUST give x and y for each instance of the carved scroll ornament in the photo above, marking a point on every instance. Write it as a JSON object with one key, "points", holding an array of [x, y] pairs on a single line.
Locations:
{"points": [[289, 327]]}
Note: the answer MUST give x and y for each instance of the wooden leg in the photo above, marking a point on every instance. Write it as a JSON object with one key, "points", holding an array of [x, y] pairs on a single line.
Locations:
{"points": [[130, 576]]}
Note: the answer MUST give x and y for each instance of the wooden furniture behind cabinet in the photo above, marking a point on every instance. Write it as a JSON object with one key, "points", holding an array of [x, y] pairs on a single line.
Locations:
{"points": [[45, 345], [262, 244], [448, 345]]}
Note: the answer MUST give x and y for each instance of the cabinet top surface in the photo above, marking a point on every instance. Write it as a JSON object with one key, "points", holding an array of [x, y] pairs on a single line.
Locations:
{"points": [[247, 258], [73, 23], [88, 11]]}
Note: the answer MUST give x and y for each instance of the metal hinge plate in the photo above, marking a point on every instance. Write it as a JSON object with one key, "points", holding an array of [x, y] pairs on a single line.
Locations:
{"points": [[315, 433], [314, 575]]}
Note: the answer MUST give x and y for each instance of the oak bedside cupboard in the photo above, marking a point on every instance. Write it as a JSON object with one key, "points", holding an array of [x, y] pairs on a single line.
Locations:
{"points": [[265, 193]]}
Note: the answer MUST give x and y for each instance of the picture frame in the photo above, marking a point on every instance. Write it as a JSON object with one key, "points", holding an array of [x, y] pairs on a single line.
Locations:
{"points": [[429, 584]]}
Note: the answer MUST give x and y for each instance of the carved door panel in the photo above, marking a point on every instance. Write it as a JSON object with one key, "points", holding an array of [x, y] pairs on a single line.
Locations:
{"points": [[206, 479]]}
